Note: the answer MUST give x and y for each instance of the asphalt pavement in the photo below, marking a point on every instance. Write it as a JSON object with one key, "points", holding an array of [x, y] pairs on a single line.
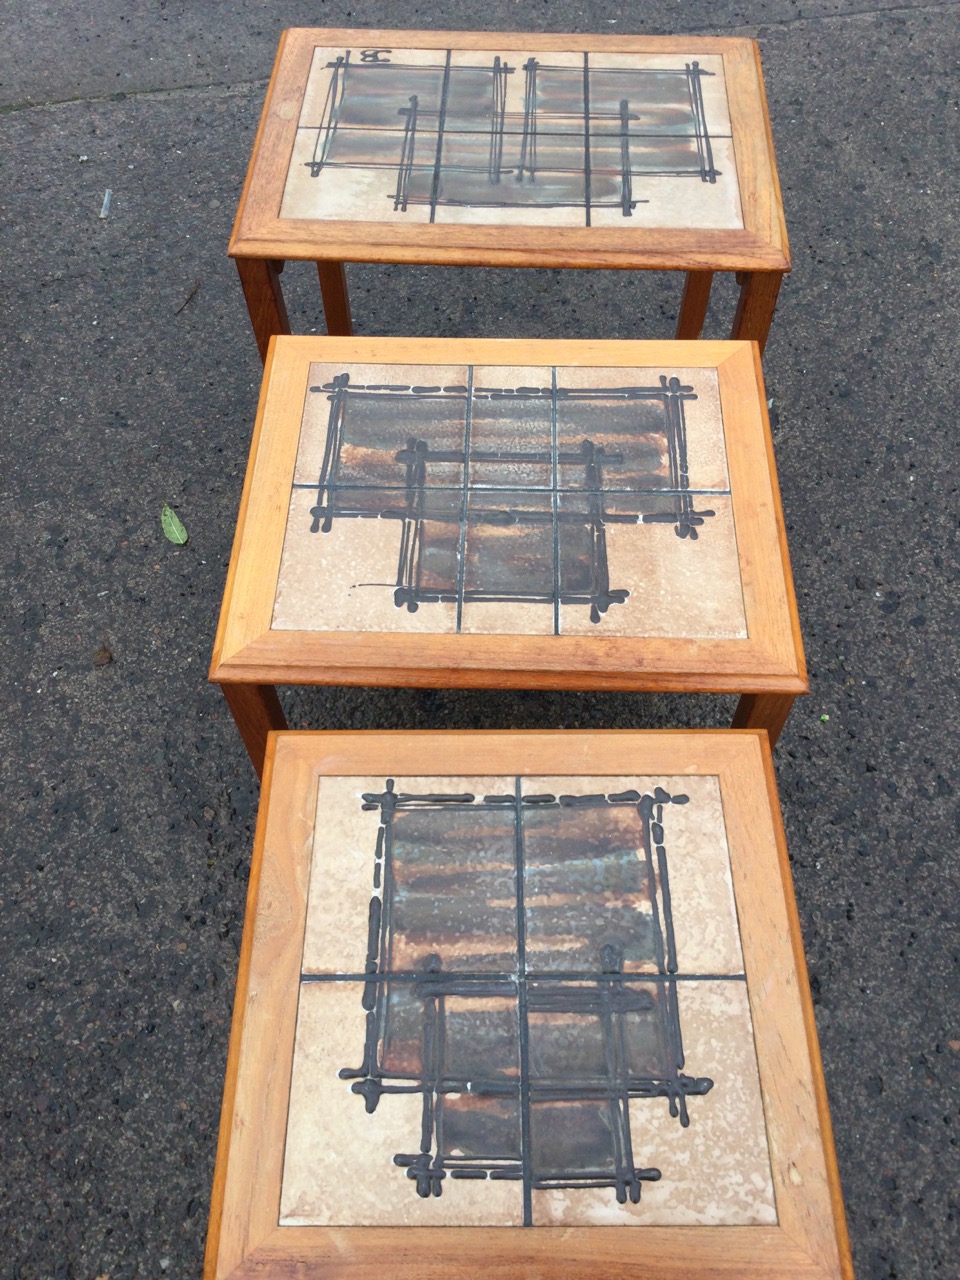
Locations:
{"points": [[130, 378]]}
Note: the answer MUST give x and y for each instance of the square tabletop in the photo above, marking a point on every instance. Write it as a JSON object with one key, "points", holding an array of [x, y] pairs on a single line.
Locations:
{"points": [[527, 514], [546, 989], [514, 150]]}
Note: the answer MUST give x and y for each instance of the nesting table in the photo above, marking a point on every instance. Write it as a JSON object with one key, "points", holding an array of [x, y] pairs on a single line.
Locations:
{"points": [[482, 148], [523, 1004], [510, 514]]}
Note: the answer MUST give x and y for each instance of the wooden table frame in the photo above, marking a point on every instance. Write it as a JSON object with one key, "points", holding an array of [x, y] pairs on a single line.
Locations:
{"points": [[809, 1240], [758, 253], [250, 658]]}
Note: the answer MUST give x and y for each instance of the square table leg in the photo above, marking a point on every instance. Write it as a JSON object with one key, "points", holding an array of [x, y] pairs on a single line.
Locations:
{"points": [[336, 303], [256, 709], [260, 278], [758, 298], [763, 711], [693, 307]]}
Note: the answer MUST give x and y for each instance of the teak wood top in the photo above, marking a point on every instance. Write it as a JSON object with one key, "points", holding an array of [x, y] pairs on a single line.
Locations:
{"points": [[305, 923], [488, 148], [485, 514]]}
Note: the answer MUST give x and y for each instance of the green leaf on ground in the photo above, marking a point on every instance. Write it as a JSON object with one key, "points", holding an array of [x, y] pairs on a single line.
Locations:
{"points": [[172, 526]]}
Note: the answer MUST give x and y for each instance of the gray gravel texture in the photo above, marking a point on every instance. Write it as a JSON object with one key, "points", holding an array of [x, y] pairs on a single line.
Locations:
{"points": [[128, 801]]}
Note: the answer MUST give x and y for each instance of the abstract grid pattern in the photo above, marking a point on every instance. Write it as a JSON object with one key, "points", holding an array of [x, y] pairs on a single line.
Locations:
{"points": [[437, 130], [504, 494], [521, 978]]}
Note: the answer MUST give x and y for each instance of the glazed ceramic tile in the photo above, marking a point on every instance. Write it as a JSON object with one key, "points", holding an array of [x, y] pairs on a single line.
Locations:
{"points": [[339, 1161], [348, 846], [515, 139], [716, 1170], [522, 1002], [523, 501]]}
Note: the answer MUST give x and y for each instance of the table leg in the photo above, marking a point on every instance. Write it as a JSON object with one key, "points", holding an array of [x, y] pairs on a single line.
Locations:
{"points": [[758, 297], [260, 278], [256, 709], [693, 308], [336, 304], [763, 711]]}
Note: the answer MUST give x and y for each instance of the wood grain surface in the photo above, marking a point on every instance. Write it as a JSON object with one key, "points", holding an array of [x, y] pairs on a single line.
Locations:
{"points": [[768, 660], [809, 1240], [761, 245]]}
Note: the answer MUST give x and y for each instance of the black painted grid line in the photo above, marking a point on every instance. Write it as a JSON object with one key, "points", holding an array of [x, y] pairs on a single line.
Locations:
{"points": [[523, 1027], [331, 454], [626, 175], [637, 392], [555, 499], [645, 806], [329, 113], [528, 143], [493, 489], [704, 146], [510, 117], [441, 120], [464, 500], [586, 138], [496, 120], [407, 154], [533, 975], [668, 1008]]}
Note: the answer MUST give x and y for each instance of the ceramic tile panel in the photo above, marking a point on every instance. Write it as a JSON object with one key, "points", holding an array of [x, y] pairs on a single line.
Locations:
{"points": [[522, 1002], [514, 138], [516, 501]]}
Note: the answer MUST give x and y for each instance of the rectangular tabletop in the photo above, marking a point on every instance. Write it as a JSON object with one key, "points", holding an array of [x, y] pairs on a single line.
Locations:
{"points": [[511, 514], [523, 1003], [510, 149]]}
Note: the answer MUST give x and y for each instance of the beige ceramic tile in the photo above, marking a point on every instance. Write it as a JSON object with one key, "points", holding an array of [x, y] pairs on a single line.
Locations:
{"points": [[339, 1161], [345, 580], [678, 586], [698, 861], [362, 175], [702, 412], [316, 406], [342, 863], [716, 1172], [508, 619]]}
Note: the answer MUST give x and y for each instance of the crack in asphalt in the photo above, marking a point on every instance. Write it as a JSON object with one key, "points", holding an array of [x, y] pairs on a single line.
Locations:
{"points": [[236, 87], [825, 17], [241, 86]]}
